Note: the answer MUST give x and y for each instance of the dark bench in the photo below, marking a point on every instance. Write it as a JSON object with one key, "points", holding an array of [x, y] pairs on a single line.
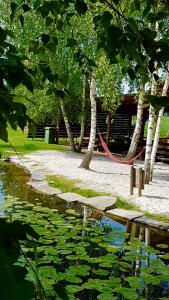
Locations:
{"points": [[163, 150]]}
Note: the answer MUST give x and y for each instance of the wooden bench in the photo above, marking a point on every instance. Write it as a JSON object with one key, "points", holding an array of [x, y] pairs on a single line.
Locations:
{"points": [[163, 150]]}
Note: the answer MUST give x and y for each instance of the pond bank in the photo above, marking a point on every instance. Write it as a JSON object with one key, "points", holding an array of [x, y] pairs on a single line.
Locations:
{"points": [[104, 176]]}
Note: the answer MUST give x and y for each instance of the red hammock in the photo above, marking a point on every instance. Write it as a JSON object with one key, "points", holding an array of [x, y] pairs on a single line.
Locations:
{"points": [[113, 158]]}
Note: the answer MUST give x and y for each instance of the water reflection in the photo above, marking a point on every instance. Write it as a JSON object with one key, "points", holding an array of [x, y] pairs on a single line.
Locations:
{"points": [[13, 182]]}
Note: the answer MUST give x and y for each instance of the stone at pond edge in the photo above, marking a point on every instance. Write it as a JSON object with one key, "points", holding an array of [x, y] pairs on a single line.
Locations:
{"points": [[125, 214], [44, 188], [71, 197], [100, 202], [153, 223]]}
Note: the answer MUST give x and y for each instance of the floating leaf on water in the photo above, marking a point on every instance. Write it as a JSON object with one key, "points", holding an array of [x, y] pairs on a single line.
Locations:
{"points": [[100, 272], [151, 279], [104, 290], [73, 289], [128, 293], [134, 282], [72, 212], [65, 252], [162, 246], [72, 278], [73, 257], [95, 260], [106, 296], [47, 272], [82, 270]]}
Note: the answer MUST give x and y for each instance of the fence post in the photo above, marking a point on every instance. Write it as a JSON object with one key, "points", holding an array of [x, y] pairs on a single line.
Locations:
{"points": [[139, 181], [132, 180], [143, 178]]}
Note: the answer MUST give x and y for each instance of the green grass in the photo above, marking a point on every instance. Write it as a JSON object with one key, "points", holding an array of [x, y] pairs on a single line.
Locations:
{"points": [[24, 145], [70, 185], [164, 130], [120, 203], [157, 217]]}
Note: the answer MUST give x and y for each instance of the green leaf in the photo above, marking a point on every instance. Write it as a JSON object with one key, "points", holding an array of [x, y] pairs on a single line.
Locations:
{"points": [[71, 42], [137, 4], [106, 19], [128, 293], [21, 19], [147, 9], [131, 74], [3, 132], [60, 93], [72, 289], [163, 246], [49, 21], [116, 1], [100, 272], [45, 38], [106, 297], [158, 102], [72, 278], [81, 7], [14, 7], [26, 8]]}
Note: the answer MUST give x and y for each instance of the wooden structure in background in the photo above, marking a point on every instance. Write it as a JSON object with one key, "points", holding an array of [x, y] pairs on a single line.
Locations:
{"points": [[163, 150], [120, 129]]}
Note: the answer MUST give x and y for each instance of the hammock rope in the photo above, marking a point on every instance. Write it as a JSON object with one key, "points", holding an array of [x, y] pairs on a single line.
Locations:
{"points": [[113, 158]]}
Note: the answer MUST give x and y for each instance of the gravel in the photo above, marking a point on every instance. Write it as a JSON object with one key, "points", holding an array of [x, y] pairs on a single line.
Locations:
{"points": [[103, 176]]}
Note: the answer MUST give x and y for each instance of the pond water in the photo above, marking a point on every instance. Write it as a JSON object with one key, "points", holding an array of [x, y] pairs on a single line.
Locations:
{"points": [[13, 182], [98, 258]]}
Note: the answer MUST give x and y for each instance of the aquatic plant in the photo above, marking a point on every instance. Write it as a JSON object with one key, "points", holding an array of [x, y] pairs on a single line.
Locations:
{"points": [[75, 258]]}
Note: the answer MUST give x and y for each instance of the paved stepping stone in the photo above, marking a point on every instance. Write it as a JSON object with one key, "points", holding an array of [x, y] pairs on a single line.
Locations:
{"points": [[44, 188], [71, 197], [100, 202], [125, 214], [153, 223]]}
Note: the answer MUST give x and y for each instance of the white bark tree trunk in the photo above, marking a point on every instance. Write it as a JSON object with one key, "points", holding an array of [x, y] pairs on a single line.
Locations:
{"points": [[137, 131], [151, 119], [158, 125], [88, 156], [83, 119], [149, 135], [68, 129]]}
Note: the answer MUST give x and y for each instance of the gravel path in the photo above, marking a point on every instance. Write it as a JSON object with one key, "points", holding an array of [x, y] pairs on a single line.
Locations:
{"points": [[103, 176]]}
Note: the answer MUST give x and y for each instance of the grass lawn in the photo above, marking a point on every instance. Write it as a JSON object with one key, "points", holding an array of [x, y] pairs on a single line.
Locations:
{"points": [[164, 130], [66, 184], [23, 145]]}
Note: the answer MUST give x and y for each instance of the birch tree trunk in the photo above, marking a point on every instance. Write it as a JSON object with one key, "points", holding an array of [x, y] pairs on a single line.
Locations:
{"points": [[149, 135], [139, 122], [149, 141], [158, 125], [88, 156], [68, 129], [83, 119]]}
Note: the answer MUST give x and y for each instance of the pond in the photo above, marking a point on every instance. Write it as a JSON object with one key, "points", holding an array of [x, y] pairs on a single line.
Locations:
{"points": [[81, 254]]}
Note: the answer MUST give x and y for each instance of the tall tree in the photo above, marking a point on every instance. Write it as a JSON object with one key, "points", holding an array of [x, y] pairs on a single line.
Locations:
{"points": [[158, 124], [88, 156], [139, 122]]}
